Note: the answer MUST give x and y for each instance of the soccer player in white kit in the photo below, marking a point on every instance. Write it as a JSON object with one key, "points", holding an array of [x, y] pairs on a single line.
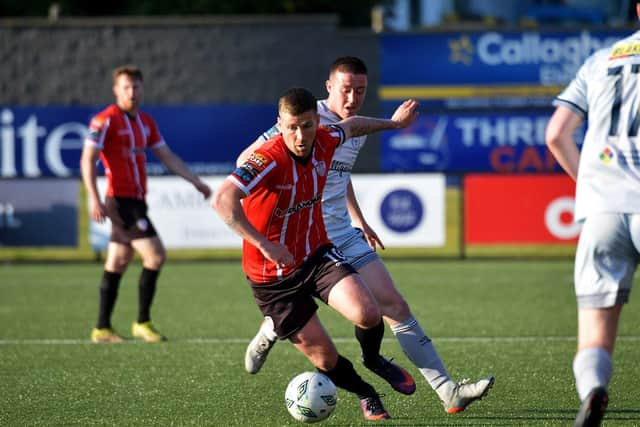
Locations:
{"points": [[349, 231], [606, 90]]}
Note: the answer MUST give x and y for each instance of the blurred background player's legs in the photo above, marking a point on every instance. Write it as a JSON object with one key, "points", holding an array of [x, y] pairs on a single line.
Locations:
{"points": [[153, 257], [118, 257]]}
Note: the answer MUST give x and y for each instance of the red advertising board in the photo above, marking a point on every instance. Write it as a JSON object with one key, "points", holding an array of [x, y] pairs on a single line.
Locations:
{"points": [[510, 209]]}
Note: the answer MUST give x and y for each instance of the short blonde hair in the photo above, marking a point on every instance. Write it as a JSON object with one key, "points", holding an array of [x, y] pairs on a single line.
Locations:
{"points": [[296, 101], [128, 70]]}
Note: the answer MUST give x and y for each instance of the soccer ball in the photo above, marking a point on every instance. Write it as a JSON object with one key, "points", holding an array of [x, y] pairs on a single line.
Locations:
{"points": [[310, 397]]}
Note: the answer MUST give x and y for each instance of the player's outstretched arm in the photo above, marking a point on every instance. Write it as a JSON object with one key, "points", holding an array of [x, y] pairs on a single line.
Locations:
{"points": [[178, 167], [559, 137], [357, 217], [404, 115]]}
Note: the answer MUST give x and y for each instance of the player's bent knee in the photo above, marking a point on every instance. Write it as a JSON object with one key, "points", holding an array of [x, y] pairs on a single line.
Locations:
{"points": [[397, 310], [370, 316]]}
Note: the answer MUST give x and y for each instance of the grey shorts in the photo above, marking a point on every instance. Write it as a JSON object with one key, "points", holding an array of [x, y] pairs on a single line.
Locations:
{"points": [[606, 259], [356, 249]]}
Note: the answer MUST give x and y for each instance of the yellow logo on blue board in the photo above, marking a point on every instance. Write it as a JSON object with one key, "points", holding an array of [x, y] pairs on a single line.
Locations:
{"points": [[461, 50]]}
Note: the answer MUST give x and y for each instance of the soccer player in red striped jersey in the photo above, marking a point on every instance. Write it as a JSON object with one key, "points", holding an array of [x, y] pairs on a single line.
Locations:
{"points": [[119, 137], [273, 201]]}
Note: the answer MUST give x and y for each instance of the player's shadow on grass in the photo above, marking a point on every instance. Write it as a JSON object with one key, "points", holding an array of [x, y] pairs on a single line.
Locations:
{"points": [[549, 415], [626, 415]]}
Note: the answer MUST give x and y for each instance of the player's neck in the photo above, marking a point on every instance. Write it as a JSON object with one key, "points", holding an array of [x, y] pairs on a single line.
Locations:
{"points": [[132, 112]]}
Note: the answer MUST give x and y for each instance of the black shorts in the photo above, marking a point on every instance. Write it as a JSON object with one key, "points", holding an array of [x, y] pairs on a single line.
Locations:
{"points": [[129, 220], [289, 302]]}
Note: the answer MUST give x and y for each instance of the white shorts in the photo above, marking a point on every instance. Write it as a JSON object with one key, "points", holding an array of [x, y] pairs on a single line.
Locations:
{"points": [[355, 248], [606, 259]]}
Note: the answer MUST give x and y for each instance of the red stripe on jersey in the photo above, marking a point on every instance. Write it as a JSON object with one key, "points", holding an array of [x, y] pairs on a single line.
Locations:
{"points": [[123, 141]]}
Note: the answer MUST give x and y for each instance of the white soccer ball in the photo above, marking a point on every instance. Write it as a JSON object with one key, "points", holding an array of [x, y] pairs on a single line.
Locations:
{"points": [[310, 397]]}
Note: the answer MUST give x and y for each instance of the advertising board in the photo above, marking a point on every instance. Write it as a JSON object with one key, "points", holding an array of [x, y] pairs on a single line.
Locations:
{"points": [[519, 209]]}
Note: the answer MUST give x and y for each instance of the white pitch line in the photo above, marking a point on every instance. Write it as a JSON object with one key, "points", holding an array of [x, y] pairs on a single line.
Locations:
{"points": [[338, 340]]}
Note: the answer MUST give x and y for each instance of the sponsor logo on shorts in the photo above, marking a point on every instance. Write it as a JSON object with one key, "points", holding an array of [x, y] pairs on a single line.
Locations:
{"points": [[142, 224]]}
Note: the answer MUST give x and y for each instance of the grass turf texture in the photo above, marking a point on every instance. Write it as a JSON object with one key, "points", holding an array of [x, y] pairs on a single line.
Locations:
{"points": [[514, 320]]}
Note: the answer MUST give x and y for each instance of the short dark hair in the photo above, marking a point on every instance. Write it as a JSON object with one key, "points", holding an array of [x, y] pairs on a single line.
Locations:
{"points": [[128, 70], [348, 64], [296, 101]]}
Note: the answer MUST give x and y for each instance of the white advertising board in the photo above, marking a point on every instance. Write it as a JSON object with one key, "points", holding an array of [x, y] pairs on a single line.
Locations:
{"points": [[406, 210], [182, 218]]}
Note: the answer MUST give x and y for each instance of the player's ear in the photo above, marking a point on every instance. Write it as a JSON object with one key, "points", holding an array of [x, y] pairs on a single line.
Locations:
{"points": [[327, 84]]}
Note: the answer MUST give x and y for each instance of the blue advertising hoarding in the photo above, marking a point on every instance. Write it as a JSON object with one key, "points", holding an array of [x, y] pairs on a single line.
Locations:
{"points": [[485, 96], [491, 63], [47, 141], [479, 141], [39, 212]]}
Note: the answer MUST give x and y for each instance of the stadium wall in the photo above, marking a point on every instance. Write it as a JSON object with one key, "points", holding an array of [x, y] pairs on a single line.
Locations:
{"points": [[185, 60]]}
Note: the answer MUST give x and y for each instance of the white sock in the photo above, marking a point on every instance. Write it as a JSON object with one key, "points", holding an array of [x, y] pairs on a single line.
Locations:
{"points": [[592, 368], [419, 349], [267, 328]]}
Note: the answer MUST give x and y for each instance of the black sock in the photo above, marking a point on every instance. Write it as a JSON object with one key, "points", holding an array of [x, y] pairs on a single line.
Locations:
{"points": [[344, 376], [370, 341], [108, 294], [146, 290]]}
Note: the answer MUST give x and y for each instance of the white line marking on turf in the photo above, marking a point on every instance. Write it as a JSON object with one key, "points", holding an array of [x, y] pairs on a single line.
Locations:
{"points": [[54, 341]]}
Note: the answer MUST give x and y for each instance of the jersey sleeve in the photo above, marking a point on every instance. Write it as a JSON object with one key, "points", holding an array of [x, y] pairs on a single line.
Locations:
{"points": [[337, 133], [155, 138], [97, 131], [254, 173], [574, 96], [273, 131]]}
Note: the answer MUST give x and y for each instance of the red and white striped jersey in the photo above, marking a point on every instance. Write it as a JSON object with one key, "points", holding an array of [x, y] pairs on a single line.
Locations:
{"points": [[284, 200], [123, 140]]}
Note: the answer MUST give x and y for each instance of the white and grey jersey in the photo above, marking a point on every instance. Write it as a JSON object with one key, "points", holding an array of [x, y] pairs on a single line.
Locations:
{"points": [[606, 91], [334, 201]]}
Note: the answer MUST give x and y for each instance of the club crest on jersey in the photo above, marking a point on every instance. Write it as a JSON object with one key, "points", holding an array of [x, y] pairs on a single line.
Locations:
{"points": [[606, 155], [321, 168]]}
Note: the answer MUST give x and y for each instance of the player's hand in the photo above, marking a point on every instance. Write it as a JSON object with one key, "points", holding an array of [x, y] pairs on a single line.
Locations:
{"points": [[277, 253], [98, 211], [406, 113], [371, 237], [203, 188]]}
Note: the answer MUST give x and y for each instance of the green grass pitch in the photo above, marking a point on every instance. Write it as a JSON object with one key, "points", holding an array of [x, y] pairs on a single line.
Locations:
{"points": [[512, 319]]}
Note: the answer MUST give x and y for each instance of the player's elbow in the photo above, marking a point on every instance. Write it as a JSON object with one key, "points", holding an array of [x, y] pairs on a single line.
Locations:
{"points": [[554, 140], [216, 200]]}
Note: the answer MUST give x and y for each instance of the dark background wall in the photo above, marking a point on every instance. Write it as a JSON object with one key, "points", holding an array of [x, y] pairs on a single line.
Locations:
{"points": [[207, 60]]}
